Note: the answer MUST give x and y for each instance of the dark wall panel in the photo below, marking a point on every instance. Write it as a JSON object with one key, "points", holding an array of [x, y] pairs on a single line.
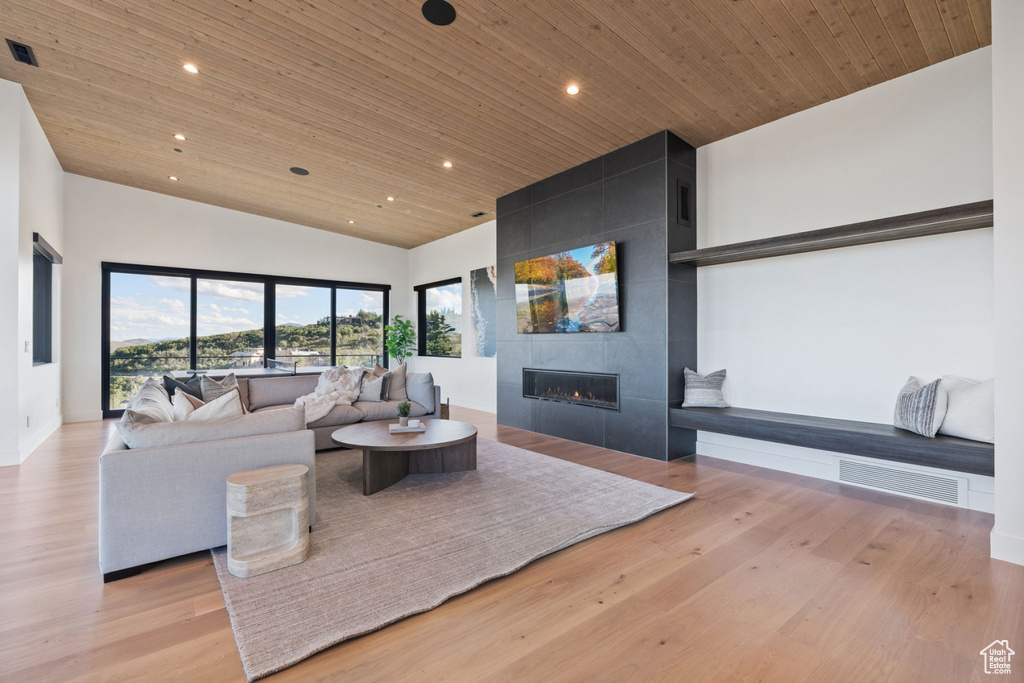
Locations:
{"points": [[628, 196]]}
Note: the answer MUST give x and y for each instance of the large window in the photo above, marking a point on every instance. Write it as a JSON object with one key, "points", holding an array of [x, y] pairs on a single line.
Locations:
{"points": [[229, 324], [303, 333], [440, 318], [148, 331], [160, 320], [43, 259], [360, 327]]}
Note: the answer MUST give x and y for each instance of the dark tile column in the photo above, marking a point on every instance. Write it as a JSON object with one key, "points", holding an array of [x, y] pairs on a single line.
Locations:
{"points": [[642, 197]]}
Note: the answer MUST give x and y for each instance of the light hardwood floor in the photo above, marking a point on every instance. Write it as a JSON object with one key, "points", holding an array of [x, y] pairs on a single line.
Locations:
{"points": [[763, 576]]}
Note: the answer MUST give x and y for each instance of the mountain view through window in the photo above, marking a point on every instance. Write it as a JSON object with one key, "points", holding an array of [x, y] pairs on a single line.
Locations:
{"points": [[150, 318]]}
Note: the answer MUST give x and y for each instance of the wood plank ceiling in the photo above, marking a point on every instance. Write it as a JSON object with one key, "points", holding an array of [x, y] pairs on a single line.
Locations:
{"points": [[372, 99]]}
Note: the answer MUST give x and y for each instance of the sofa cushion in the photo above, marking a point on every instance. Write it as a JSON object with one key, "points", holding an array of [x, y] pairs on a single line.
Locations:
{"points": [[174, 433], [339, 415], [420, 387], [278, 391], [386, 410]]}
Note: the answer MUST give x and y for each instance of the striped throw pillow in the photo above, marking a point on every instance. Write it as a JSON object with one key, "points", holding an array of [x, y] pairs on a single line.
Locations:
{"points": [[920, 408], [703, 391]]}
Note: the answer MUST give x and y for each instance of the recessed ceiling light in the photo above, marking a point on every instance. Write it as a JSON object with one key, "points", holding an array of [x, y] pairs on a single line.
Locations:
{"points": [[573, 89], [191, 68], [351, 221], [297, 170], [172, 177], [179, 136], [447, 164], [391, 199], [438, 12]]}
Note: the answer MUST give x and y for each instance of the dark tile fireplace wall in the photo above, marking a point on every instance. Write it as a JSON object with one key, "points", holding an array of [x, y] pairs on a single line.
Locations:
{"points": [[642, 196]]}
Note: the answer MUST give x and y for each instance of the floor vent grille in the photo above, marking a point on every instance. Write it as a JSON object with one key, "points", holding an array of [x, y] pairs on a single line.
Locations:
{"points": [[949, 490]]}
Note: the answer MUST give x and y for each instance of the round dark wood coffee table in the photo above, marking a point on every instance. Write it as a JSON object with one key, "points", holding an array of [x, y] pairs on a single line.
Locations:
{"points": [[446, 446]]}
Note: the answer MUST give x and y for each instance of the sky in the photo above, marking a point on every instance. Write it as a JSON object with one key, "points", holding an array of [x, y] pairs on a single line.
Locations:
{"points": [[157, 307], [447, 298]]}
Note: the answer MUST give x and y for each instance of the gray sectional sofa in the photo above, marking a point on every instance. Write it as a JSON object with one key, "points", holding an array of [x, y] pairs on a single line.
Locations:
{"points": [[169, 497], [276, 393]]}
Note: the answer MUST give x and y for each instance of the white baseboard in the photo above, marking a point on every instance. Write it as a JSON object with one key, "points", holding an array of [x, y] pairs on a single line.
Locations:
{"points": [[786, 463], [819, 464], [36, 440], [981, 501], [19, 455], [1007, 548], [475, 405], [85, 416]]}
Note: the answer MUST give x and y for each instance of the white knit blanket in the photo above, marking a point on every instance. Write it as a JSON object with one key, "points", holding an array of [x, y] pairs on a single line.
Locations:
{"points": [[336, 387]]}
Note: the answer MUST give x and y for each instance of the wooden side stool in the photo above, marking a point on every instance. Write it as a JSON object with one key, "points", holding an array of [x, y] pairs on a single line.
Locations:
{"points": [[268, 519]]}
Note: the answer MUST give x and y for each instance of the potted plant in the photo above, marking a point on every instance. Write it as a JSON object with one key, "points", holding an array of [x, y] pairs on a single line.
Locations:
{"points": [[404, 408], [401, 338]]}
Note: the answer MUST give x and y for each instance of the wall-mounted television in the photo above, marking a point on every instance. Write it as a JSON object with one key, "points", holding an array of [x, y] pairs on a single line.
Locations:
{"points": [[572, 291]]}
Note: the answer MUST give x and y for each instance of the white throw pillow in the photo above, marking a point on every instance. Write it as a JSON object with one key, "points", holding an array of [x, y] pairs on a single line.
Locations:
{"points": [[226, 405], [970, 413], [375, 388], [184, 404]]}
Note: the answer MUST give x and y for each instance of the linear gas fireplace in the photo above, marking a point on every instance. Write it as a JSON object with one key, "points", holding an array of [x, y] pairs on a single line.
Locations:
{"points": [[594, 389]]}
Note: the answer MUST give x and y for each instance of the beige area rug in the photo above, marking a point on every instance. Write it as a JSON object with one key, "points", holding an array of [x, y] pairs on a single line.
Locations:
{"points": [[377, 559]]}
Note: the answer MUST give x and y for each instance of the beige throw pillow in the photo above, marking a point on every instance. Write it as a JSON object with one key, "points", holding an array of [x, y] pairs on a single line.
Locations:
{"points": [[150, 405], [226, 405], [213, 389], [396, 384]]}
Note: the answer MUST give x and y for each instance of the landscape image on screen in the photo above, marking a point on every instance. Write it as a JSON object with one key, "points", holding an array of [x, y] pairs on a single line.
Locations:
{"points": [[573, 291]]}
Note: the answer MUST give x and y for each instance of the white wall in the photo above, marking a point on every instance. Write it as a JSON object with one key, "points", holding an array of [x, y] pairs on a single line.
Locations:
{"points": [[1008, 141], [10, 174], [108, 222], [470, 381], [31, 198], [836, 333]]}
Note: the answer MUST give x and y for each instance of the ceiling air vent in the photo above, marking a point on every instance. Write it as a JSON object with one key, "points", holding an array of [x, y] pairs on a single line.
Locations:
{"points": [[22, 53], [906, 482], [478, 214]]}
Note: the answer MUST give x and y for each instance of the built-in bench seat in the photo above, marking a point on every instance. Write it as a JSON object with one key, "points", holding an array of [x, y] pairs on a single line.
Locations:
{"points": [[842, 436]]}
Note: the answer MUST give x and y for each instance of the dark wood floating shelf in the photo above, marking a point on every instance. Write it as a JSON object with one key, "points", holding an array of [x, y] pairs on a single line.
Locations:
{"points": [[934, 222], [842, 436]]}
